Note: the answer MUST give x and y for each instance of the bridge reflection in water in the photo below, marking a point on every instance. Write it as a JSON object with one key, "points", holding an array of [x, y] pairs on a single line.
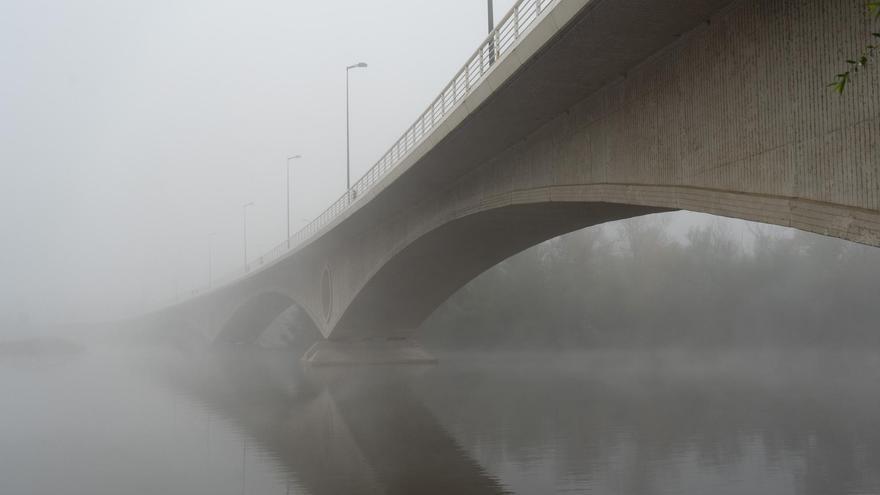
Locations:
{"points": [[607, 423], [335, 432]]}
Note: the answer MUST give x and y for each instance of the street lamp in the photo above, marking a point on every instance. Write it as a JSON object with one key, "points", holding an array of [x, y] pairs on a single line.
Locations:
{"points": [[244, 208], [491, 17], [491, 28], [347, 145], [294, 157]]}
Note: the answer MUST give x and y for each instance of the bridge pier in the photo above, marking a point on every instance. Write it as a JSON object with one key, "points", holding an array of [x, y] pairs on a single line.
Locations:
{"points": [[367, 352]]}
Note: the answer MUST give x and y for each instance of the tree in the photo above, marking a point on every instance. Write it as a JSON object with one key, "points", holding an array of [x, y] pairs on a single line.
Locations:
{"points": [[868, 53]]}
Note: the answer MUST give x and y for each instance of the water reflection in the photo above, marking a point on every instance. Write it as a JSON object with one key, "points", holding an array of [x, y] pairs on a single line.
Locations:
{"points": [[335, 430], [643, 424], [597, 423], [807, 424]]}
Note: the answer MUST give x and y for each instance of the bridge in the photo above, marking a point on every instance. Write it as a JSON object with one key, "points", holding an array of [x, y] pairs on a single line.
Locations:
{"points": [[573, 113]]}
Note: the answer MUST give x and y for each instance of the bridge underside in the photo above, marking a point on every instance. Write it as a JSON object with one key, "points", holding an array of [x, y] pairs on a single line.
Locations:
{"points": [[629, 108], [417, 279], [730, 118], [252, 318]]}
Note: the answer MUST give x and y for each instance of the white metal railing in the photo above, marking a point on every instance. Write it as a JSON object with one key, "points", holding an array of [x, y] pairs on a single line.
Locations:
{"points": [[510, 29]]}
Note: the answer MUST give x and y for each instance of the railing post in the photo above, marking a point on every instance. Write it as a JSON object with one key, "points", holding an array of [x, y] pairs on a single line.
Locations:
{"points": [[537, 7], [516, 21]]}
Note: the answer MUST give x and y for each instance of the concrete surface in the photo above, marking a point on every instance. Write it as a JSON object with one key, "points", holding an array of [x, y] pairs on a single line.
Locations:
{"points": [[609, 109]]}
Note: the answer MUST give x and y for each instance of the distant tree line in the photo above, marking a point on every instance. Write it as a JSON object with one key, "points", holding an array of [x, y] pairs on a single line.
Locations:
{"points": [[634, 285]]}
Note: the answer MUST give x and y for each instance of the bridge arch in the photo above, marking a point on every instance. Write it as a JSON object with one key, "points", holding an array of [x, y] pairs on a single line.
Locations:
{"points": [[557, 138], [415, 280], [252, 317], [411, 282]]}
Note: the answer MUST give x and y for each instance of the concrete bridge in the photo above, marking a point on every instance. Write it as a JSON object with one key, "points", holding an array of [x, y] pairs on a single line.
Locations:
{"points": [[574, 113]]}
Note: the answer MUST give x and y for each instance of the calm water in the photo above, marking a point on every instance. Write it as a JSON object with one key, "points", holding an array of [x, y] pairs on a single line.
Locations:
{"points": [[603, 423]]}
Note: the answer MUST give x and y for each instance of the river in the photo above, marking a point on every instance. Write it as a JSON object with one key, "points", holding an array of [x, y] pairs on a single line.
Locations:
{"points": [[249, 421]]}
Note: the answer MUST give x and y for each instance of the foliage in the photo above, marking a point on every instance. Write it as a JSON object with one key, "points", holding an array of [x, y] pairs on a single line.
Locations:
{"points": [[868, 53], [635, 286]]}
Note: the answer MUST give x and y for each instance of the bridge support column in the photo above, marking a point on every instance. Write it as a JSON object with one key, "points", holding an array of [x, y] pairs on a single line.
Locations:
{"points": [[367, 352]]}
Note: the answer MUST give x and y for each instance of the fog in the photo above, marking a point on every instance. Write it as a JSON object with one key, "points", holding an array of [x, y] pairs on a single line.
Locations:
{"points": [[671, 353], [122, 421], [639, 283], [131, 131]]}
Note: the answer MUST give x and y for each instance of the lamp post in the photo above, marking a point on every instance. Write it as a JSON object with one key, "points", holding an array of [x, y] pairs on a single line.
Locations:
{"points": [[347, 142], [244, 208], [294, 157], [491, 16], [491, 28]]}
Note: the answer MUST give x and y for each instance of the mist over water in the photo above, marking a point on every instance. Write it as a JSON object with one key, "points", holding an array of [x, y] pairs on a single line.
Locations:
{"points": [[635, 358], [550, 381], [648, 282], [144, 155], [636, 422]]}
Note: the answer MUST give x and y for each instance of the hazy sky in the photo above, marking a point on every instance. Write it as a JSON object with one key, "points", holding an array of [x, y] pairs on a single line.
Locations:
{"points": [[132, 130]]}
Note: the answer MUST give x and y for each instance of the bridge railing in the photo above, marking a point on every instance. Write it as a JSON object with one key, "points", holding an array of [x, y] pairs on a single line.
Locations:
{"points": [[509, 30], [507, 33]]}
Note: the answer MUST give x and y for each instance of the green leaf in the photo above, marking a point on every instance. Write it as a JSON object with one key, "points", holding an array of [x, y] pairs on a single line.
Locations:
{"points": [[842, 80], [869, 52]]}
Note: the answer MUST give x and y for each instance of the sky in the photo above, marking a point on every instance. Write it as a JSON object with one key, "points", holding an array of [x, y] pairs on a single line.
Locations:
{"points": [[131, 133]]}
